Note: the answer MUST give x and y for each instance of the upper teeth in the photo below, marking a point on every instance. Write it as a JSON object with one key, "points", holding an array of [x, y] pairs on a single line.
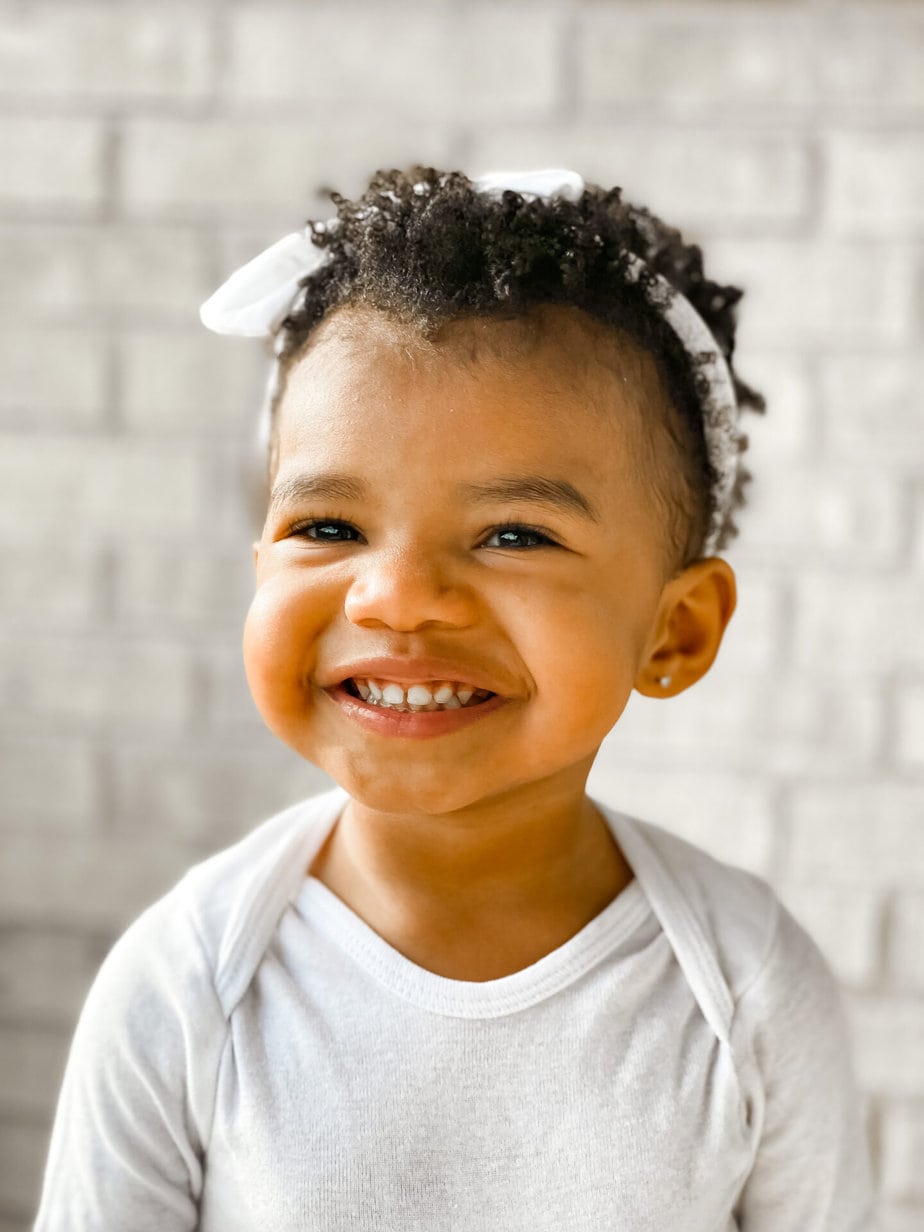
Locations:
{"points": [[438, 693]]}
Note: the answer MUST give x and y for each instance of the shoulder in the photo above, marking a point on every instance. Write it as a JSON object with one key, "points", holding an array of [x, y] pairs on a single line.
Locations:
{"points": [[738, 913], [762, 949], [161, 1000], [198, 939]]}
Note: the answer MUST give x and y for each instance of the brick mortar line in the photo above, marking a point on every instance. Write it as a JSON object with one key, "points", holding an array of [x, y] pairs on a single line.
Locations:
{"points": [[743, 15], [629, 120], [781, 831], [569, 108], [782, 116], [886, 940], [221, 57]]}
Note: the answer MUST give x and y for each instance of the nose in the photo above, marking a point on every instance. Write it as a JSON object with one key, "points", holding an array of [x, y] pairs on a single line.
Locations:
{"points": [[404, 589]]}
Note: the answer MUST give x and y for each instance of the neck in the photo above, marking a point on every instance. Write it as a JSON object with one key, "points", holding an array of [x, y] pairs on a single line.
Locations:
{"points": [[522, 856]]}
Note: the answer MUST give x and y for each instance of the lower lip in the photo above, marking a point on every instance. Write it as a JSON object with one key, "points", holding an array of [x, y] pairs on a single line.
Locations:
{"points": [[411, 724]]}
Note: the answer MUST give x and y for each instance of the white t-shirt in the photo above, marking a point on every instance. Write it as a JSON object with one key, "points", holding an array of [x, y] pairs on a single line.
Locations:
{"points": [[253, 1056]]}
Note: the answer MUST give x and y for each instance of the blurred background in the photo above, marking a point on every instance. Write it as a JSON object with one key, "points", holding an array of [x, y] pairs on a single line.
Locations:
{"points": [[147, 150]]}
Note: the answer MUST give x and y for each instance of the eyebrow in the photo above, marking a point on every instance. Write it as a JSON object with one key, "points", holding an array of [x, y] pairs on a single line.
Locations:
{"points": [[325, 485], [535, 489], [556, 494]]}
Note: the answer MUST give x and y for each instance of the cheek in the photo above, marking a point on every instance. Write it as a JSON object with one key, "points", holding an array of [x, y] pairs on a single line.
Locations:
{"points": [[587, 658], [279, 637]]}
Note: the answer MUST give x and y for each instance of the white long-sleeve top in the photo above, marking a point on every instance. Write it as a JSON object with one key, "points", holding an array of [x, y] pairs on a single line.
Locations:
{"points": [[253, 1056]]}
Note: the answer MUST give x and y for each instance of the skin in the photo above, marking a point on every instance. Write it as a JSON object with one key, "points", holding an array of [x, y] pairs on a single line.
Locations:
{"points": [[476, 852]]}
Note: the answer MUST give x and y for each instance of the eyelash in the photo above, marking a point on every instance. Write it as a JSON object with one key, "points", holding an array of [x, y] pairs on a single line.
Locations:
{"points": [[301, 528]]}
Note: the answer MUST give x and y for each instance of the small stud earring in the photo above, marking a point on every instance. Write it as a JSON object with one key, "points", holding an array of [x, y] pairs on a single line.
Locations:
{"points": [[664, 681]]}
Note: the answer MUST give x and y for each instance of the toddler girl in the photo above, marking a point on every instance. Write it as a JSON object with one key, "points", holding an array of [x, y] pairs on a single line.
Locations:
{"points": [[457, 992]]}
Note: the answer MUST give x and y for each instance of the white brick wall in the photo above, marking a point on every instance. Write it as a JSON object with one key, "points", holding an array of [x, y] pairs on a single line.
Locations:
{"points": [[857, 827], [812, 295], [45, 972], [442, 58], [178, 382], [32, 1061], [903, 1150], [72, 273], [243, 168], [211, 795], [21, 1147], [696, 61], [889, 1032], [772, 721], [95, 881], [843, 515], [87, 682], [864, 386], [909, 745], [872, 60], [36, 393], [180, 588], [115, 484], [845, 920], [147, 150], [732, 817], [134, 53], [906, 953], [69, 800], [52, 166], [859, 622], [746, 180], [66, 597], [875, 184], [900, 1218]]}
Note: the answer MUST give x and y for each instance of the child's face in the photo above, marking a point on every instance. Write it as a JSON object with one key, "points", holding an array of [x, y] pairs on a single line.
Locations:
{"points": [[420, 565]]}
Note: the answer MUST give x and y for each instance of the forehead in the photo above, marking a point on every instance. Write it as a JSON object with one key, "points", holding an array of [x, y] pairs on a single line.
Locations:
{"points": [[556, 373]]}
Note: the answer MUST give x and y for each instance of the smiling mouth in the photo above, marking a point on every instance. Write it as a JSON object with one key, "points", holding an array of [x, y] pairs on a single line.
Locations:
{"points": [[435, 695]]}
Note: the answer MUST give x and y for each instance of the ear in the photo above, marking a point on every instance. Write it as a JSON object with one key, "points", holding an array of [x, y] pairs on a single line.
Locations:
{"points": [[693, 615]]}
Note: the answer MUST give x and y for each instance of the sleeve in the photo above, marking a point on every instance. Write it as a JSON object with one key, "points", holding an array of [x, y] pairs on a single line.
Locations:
{"points": [[135, 1106], [811, 1171]]}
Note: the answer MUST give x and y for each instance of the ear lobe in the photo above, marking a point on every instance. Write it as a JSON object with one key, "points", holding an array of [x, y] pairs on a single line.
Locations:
{"points": [[696, 609]]}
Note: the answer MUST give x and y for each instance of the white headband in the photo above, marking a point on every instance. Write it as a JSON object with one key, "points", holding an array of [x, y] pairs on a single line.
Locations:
{"points": [[255, 300]]}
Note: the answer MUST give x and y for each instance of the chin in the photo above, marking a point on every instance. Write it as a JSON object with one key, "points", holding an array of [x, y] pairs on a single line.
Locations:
{"points": [[404, 791]]}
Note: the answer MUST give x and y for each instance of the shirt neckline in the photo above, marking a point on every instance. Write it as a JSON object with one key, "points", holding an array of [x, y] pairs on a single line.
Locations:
{"points": [[322, 909]]}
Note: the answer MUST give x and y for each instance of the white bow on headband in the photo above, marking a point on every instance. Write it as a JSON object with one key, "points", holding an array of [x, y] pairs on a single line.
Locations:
{"points": [[256, 298]]}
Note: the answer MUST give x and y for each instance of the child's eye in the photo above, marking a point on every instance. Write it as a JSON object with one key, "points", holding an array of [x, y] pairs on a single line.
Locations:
{"points": [[507, 536], [335, 530], [327, 530]]}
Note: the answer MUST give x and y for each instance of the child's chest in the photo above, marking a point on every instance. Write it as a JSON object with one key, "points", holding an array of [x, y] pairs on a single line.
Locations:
{"points": [[610, 1106]]}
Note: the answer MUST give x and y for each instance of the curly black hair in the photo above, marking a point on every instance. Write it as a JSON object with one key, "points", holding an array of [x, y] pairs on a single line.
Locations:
{"points": [[427, 247]]}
